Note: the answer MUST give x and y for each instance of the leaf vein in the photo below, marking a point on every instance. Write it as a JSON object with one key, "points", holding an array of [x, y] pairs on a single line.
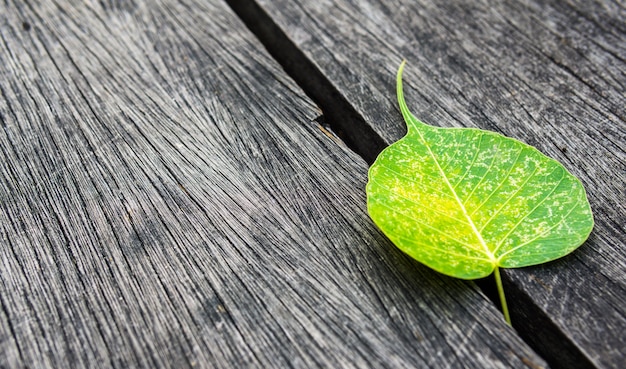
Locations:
{"points": [[493, 160], [512, 196], [431, 227], [541, 234], [499, 244], [499, 184], [420, 205], [469, 167], [456, 153], [441, 249], [400, 175]]}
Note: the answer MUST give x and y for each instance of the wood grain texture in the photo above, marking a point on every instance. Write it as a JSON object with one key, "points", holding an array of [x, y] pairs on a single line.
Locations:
{"points": [[550, 73], [167, 199]]}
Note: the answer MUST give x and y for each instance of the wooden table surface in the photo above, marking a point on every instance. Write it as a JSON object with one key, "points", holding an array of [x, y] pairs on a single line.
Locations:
{"points": [[182, 181]]}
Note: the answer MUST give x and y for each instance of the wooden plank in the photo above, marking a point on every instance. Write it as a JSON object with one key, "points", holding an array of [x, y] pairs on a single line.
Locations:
{"points": [[550, 73], [168, 199]]}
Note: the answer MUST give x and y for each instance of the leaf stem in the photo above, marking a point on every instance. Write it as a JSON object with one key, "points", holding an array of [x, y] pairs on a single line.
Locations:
{"points": [[505, 308]]}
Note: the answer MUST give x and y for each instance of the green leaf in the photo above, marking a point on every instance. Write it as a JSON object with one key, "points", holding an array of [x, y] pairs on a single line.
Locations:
{"points": [[466, 201]]}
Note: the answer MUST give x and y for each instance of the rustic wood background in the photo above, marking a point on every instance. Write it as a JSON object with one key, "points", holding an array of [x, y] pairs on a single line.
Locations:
{"points": [[171, 197], [550, 73]]}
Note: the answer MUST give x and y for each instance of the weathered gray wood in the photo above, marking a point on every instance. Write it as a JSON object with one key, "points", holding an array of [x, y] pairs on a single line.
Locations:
{"points": [[551, 73], [167, 199]]}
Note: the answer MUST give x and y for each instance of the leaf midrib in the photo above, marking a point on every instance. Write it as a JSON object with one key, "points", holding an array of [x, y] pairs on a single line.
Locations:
{"points": [[458, 200]]}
